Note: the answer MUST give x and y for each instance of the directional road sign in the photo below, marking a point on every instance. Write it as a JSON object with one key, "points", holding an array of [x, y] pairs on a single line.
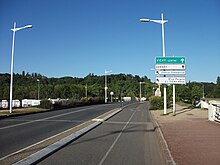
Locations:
{"points": [[169, 66], [168, 72], [170, 60], [170, 80]]}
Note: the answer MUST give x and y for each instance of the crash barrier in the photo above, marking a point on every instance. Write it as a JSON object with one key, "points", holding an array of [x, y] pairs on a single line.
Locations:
{"points": [[214, 110]]}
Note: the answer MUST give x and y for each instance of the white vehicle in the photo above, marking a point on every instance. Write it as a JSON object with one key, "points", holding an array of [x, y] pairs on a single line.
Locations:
{"points": [[126, 99]]}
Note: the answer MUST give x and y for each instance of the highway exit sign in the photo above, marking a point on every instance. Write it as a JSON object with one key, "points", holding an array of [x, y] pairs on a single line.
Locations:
{"points": [[170, 60]]}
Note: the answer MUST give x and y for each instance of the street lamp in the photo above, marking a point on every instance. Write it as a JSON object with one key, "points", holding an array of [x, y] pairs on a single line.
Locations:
{"points": [[38, 89], [106, 88], [162, 22], [12, 59], [140, 89]]}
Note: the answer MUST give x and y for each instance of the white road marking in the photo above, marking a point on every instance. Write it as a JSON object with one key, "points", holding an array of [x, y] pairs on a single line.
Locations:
{"points": [[33, 121], [23, 149], [113, 144]]}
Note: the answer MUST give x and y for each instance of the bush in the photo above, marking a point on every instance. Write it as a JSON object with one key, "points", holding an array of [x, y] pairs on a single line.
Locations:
{"points": [[70, 103], [156, 102], [92, 100], [46, 104]]}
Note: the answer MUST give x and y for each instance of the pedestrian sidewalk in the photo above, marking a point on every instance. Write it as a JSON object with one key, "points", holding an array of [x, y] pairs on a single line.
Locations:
{"points": [[191, 138]]}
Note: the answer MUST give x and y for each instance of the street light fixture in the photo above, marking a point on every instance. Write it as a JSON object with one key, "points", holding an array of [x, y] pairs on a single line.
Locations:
{"points": [[106, 88], [162, 22], [12, 59]]}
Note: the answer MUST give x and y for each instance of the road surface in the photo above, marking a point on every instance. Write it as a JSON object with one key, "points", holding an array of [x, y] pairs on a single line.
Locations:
{"points": [[128, 138], [22, 131]]}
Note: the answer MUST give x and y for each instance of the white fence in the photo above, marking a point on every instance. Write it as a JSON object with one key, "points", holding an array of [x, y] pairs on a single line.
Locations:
{"points": [[214, 110]]}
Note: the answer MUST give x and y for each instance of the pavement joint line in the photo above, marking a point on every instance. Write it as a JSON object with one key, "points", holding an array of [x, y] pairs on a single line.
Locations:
{"points": [[170, 159], [115, 141], [131, 123], [36, 157]]}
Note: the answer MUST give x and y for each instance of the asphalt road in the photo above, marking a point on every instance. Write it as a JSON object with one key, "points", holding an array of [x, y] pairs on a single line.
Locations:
{"points": [[128, 138], [19, 132]]}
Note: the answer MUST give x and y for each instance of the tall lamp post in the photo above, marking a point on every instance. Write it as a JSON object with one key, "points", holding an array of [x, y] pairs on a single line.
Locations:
{"points": [[162, 22], [12, 59], [106, 88], [38, 89], [140, 89]]}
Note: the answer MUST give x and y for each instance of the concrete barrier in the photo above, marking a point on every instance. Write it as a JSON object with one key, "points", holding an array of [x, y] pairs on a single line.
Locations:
{"points": [[204, 104]]}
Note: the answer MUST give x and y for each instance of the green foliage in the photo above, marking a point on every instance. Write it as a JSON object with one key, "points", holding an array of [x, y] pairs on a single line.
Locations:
{"points": [[26, 86], [46, 104], [156, 102]]}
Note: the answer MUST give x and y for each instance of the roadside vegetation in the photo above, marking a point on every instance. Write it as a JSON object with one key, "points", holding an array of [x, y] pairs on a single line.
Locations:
{"points": [[75, 90], [22, 111]]}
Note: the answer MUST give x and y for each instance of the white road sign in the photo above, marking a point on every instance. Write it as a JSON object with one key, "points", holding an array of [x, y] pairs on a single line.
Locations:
{"points": [[169, 66], [167, 72], [170, 80]]}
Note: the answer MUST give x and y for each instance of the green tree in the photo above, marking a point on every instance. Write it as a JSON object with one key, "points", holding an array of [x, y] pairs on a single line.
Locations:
{"points": [[216, 91]]}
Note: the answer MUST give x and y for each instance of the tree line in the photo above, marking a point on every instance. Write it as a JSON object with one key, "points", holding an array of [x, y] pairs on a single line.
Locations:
{"points": [[26, 85]]}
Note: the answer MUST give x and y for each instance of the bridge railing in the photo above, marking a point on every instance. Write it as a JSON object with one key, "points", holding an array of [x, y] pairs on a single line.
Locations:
{"points": [[214, 111]]}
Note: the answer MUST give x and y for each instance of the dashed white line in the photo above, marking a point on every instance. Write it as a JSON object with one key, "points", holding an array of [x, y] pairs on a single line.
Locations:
{"points": [[113, 144]]}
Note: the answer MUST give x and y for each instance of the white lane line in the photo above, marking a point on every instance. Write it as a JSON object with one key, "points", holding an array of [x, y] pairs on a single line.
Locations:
{"points": [[33, 121], [116, 140], [67, 121], [23, 149]]}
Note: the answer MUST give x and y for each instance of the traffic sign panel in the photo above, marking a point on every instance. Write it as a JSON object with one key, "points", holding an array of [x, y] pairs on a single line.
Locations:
{"points": [[170, 80], [170, 60], [169, 66], [168, 72]]}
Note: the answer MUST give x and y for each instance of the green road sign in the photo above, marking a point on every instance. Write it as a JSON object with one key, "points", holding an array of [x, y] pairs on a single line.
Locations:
{"points": [[170, 60]]}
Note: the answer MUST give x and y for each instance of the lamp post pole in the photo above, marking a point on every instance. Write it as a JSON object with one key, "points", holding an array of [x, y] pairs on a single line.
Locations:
{"points": [[12, 59], [162, 22], [140, 89], [106, 88], [86, 87], [38, 89]]}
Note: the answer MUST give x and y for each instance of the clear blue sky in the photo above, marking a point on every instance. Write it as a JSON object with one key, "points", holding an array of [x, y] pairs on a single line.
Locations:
{"points": [[78, 37]]}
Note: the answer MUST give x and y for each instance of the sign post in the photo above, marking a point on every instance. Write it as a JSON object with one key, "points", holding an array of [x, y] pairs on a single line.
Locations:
{"points": [[170, 70]]}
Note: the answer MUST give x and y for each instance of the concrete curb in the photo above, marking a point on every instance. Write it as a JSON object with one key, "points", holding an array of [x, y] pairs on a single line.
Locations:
{"points": [[163, 144], [40, 155]]}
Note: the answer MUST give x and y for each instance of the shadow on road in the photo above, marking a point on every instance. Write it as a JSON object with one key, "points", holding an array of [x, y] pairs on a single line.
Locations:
{"points": [[130, 129]]}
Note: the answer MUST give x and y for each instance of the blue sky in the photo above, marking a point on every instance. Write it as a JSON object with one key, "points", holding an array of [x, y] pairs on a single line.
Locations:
{"points": [[78, 37]]}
